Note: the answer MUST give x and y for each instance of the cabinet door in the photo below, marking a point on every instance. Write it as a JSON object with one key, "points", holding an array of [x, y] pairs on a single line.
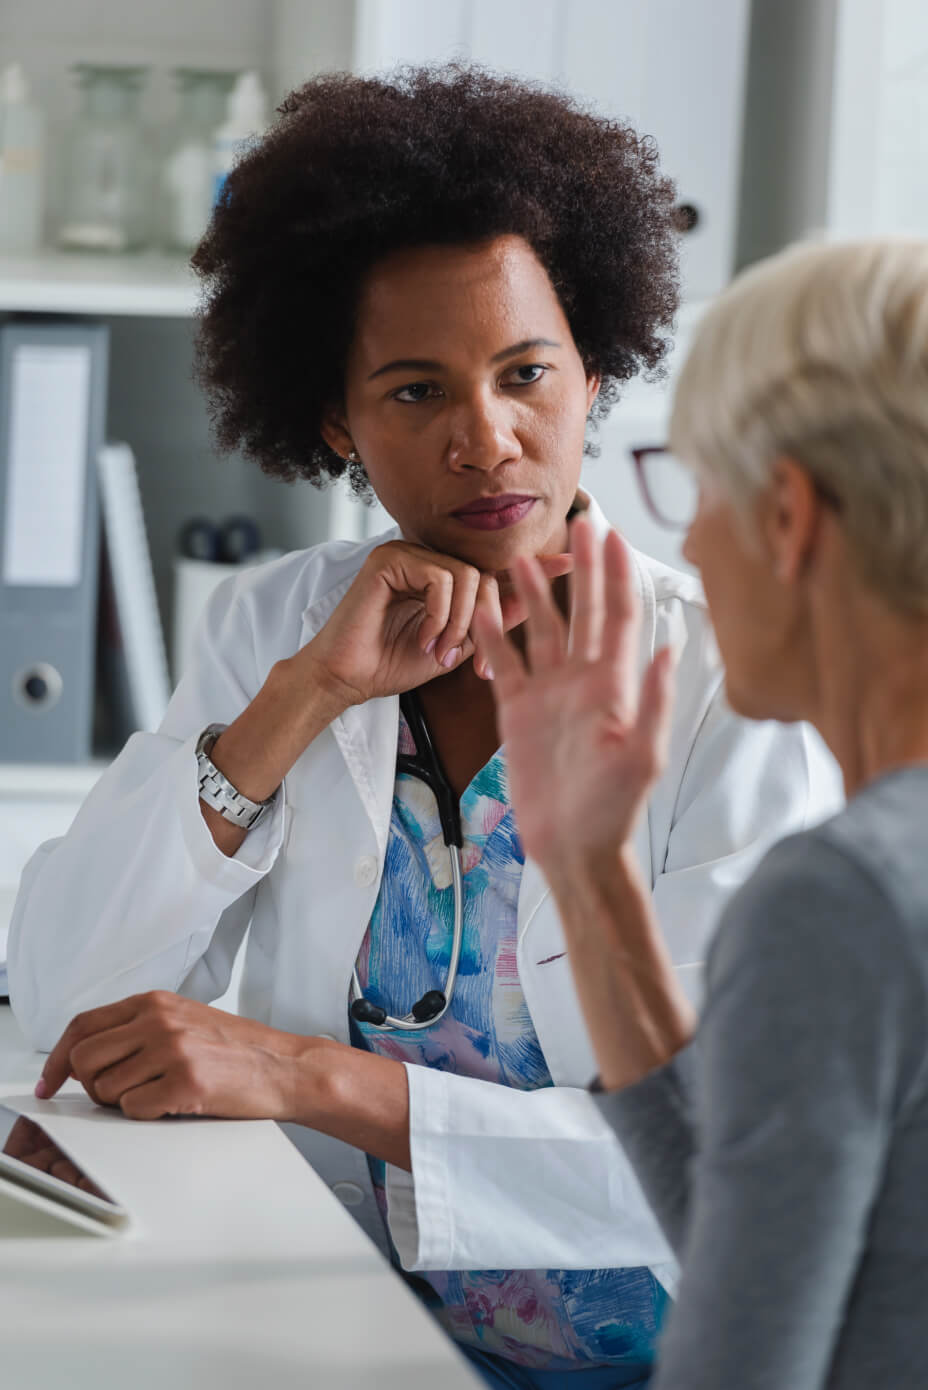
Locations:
{"points": [[676, 70], [879, 136]]}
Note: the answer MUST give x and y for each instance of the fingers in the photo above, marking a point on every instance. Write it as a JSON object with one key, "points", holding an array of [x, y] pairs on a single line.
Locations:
{"points": [[655, 707], [96, 1060], [587, 611], [153, 1100], [464, 591], [546, 631], [449, 592], [622, 620], [110, 1086], [24, 1138], [437, 588], [488, 602], [57, 1068], [555, 566], [506, 667]]}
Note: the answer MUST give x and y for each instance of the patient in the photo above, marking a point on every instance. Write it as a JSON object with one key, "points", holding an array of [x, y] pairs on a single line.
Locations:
{"points": [[785, 1149]]}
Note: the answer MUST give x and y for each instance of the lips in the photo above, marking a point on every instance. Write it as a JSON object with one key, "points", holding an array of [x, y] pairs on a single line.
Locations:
{"points": [[498, 502], [495, 513]]}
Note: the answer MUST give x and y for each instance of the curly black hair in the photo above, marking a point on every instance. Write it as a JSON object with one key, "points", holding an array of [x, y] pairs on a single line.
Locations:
{"points": [[355, 168]]}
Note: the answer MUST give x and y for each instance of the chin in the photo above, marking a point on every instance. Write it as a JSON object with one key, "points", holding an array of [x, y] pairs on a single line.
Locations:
{"points": [[745, 701], [758, 702]]}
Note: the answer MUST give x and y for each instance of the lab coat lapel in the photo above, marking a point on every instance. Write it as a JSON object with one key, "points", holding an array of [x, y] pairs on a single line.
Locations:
{"points": [[366, 734], [544, 969]]}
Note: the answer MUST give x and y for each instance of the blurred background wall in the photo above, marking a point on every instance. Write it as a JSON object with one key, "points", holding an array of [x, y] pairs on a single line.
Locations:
{"points": [[777, 119]]}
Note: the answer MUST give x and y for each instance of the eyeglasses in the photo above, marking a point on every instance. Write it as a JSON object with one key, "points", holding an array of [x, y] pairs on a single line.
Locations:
{"points": [[669, 488]]}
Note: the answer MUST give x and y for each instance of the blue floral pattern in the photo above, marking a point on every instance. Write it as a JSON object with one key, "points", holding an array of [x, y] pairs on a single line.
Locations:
{"points": [[545, 1319]]}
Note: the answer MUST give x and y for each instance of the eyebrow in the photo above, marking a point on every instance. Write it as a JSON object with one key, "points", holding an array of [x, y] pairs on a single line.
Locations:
{"points": [[429, 364]]}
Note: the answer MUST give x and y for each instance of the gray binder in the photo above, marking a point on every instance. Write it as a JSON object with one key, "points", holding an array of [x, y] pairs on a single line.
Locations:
{"points": [[52, 409]]}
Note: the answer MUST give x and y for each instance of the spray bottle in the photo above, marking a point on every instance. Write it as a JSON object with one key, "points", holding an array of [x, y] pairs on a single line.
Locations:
{"points": [[246, 118], [21, 160]]}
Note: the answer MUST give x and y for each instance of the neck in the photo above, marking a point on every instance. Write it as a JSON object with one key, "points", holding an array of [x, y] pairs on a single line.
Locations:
{"points": [[872, 711]]}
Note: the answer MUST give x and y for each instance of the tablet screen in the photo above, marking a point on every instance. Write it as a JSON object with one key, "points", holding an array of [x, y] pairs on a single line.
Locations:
{"points": [[28, 1144]]}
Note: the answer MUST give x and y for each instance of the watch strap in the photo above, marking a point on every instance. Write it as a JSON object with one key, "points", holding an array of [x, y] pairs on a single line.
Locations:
{"points": [[217, 791]]}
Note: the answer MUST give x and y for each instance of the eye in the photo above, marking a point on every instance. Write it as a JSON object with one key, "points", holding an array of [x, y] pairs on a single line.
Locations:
{"points": [[529, 374], [415, 391]]}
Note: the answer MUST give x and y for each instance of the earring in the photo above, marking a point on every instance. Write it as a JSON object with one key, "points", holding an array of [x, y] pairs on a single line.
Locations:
{"points": [[353, 456]]}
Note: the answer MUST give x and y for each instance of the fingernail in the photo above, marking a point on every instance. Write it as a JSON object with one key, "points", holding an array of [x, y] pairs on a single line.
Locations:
{"points": [[431, 646], [488, 673], [41, 1090], [451, 658]]}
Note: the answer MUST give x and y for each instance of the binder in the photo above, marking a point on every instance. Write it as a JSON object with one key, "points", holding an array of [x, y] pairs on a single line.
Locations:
{"points": [[132, 653], [52, 410]]}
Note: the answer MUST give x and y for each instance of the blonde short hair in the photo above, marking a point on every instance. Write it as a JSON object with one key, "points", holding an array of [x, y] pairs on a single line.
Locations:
{"points": [[821, 354]]}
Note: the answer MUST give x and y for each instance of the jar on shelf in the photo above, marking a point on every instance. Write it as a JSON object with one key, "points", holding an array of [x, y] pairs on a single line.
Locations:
{"points": [[187, 173], [107, 170]]}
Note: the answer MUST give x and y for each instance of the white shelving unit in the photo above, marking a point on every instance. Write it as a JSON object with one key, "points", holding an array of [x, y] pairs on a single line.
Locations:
{"points": [[143, 286]]}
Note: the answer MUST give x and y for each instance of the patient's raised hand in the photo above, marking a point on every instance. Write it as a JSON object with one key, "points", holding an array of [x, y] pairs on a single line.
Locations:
{"points": [[585, 732]]}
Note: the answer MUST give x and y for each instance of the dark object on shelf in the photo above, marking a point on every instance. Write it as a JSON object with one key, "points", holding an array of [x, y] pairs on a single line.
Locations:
{"points": [[686, 217], [232, 542]]}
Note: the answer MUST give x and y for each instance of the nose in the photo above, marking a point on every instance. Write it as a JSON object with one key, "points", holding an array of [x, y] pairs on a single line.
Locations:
{"points": [[482, 435]]}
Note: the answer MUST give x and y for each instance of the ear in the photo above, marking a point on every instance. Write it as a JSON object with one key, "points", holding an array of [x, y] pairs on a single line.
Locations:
{"points": [[790, 510], [593, 384], [335, 432]]}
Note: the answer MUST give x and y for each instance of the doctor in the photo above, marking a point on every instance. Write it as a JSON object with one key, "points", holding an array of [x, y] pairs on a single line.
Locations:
{"points": [[431, 283]]}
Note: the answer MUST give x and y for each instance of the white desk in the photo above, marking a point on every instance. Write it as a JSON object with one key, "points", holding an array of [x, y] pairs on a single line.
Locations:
{"points": [[242, 1269]]}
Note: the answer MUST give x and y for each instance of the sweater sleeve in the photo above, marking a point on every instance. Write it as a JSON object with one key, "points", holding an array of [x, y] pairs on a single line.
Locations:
{"points": [[798, 1059], [655, 1122]]}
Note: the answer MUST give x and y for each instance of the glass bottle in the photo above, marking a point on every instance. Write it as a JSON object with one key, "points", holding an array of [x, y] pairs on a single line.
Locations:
{"points": [[187, 175], [106, 205]]}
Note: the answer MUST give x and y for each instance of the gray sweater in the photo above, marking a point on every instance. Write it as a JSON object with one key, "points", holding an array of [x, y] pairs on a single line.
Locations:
{"points": [[785, 1152]]}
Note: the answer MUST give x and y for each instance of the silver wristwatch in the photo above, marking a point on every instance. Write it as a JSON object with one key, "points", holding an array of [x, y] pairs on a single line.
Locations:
{"points": [[217, 791]]}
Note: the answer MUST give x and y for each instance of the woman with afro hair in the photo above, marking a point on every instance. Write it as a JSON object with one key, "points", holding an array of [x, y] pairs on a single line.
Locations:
{"points": [[430, 283]]}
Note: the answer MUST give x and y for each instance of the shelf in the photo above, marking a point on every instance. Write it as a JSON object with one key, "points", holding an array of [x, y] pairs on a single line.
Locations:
{"points": [[49, 781], [52, 282]]}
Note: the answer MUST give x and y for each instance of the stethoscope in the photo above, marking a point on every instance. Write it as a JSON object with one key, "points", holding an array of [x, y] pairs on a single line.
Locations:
{"points": [[426, 765]]}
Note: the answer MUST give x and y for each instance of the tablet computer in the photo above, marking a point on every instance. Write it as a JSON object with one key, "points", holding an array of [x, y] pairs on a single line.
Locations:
{"points": [[32, 1159]]}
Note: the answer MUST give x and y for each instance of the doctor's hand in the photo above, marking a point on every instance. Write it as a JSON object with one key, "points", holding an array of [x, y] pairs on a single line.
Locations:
{"points": [[585, 735], [161, 1054], [409, 616]]}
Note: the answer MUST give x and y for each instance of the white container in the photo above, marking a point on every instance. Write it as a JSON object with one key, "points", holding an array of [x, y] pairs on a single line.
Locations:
{"points": [[188, 178], [194, 582], [245, 120], [21, 164]]}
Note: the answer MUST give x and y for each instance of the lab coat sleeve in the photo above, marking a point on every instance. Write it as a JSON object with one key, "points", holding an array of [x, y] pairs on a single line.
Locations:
{"points": [[503, 1178], [508, 1179], [745, 785], [137, 894]]}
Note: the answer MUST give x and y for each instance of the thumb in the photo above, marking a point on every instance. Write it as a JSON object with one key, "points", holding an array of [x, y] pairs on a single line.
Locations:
{"points": [[513, 609]]}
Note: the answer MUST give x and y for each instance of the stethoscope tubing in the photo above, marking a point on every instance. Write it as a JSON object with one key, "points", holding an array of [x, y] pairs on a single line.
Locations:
{"points": [[427, 766], [408, 1024]]}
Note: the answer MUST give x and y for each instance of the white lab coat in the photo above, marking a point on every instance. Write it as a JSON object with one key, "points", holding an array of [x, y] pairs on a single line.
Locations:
{"points": [[137, 896]]}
